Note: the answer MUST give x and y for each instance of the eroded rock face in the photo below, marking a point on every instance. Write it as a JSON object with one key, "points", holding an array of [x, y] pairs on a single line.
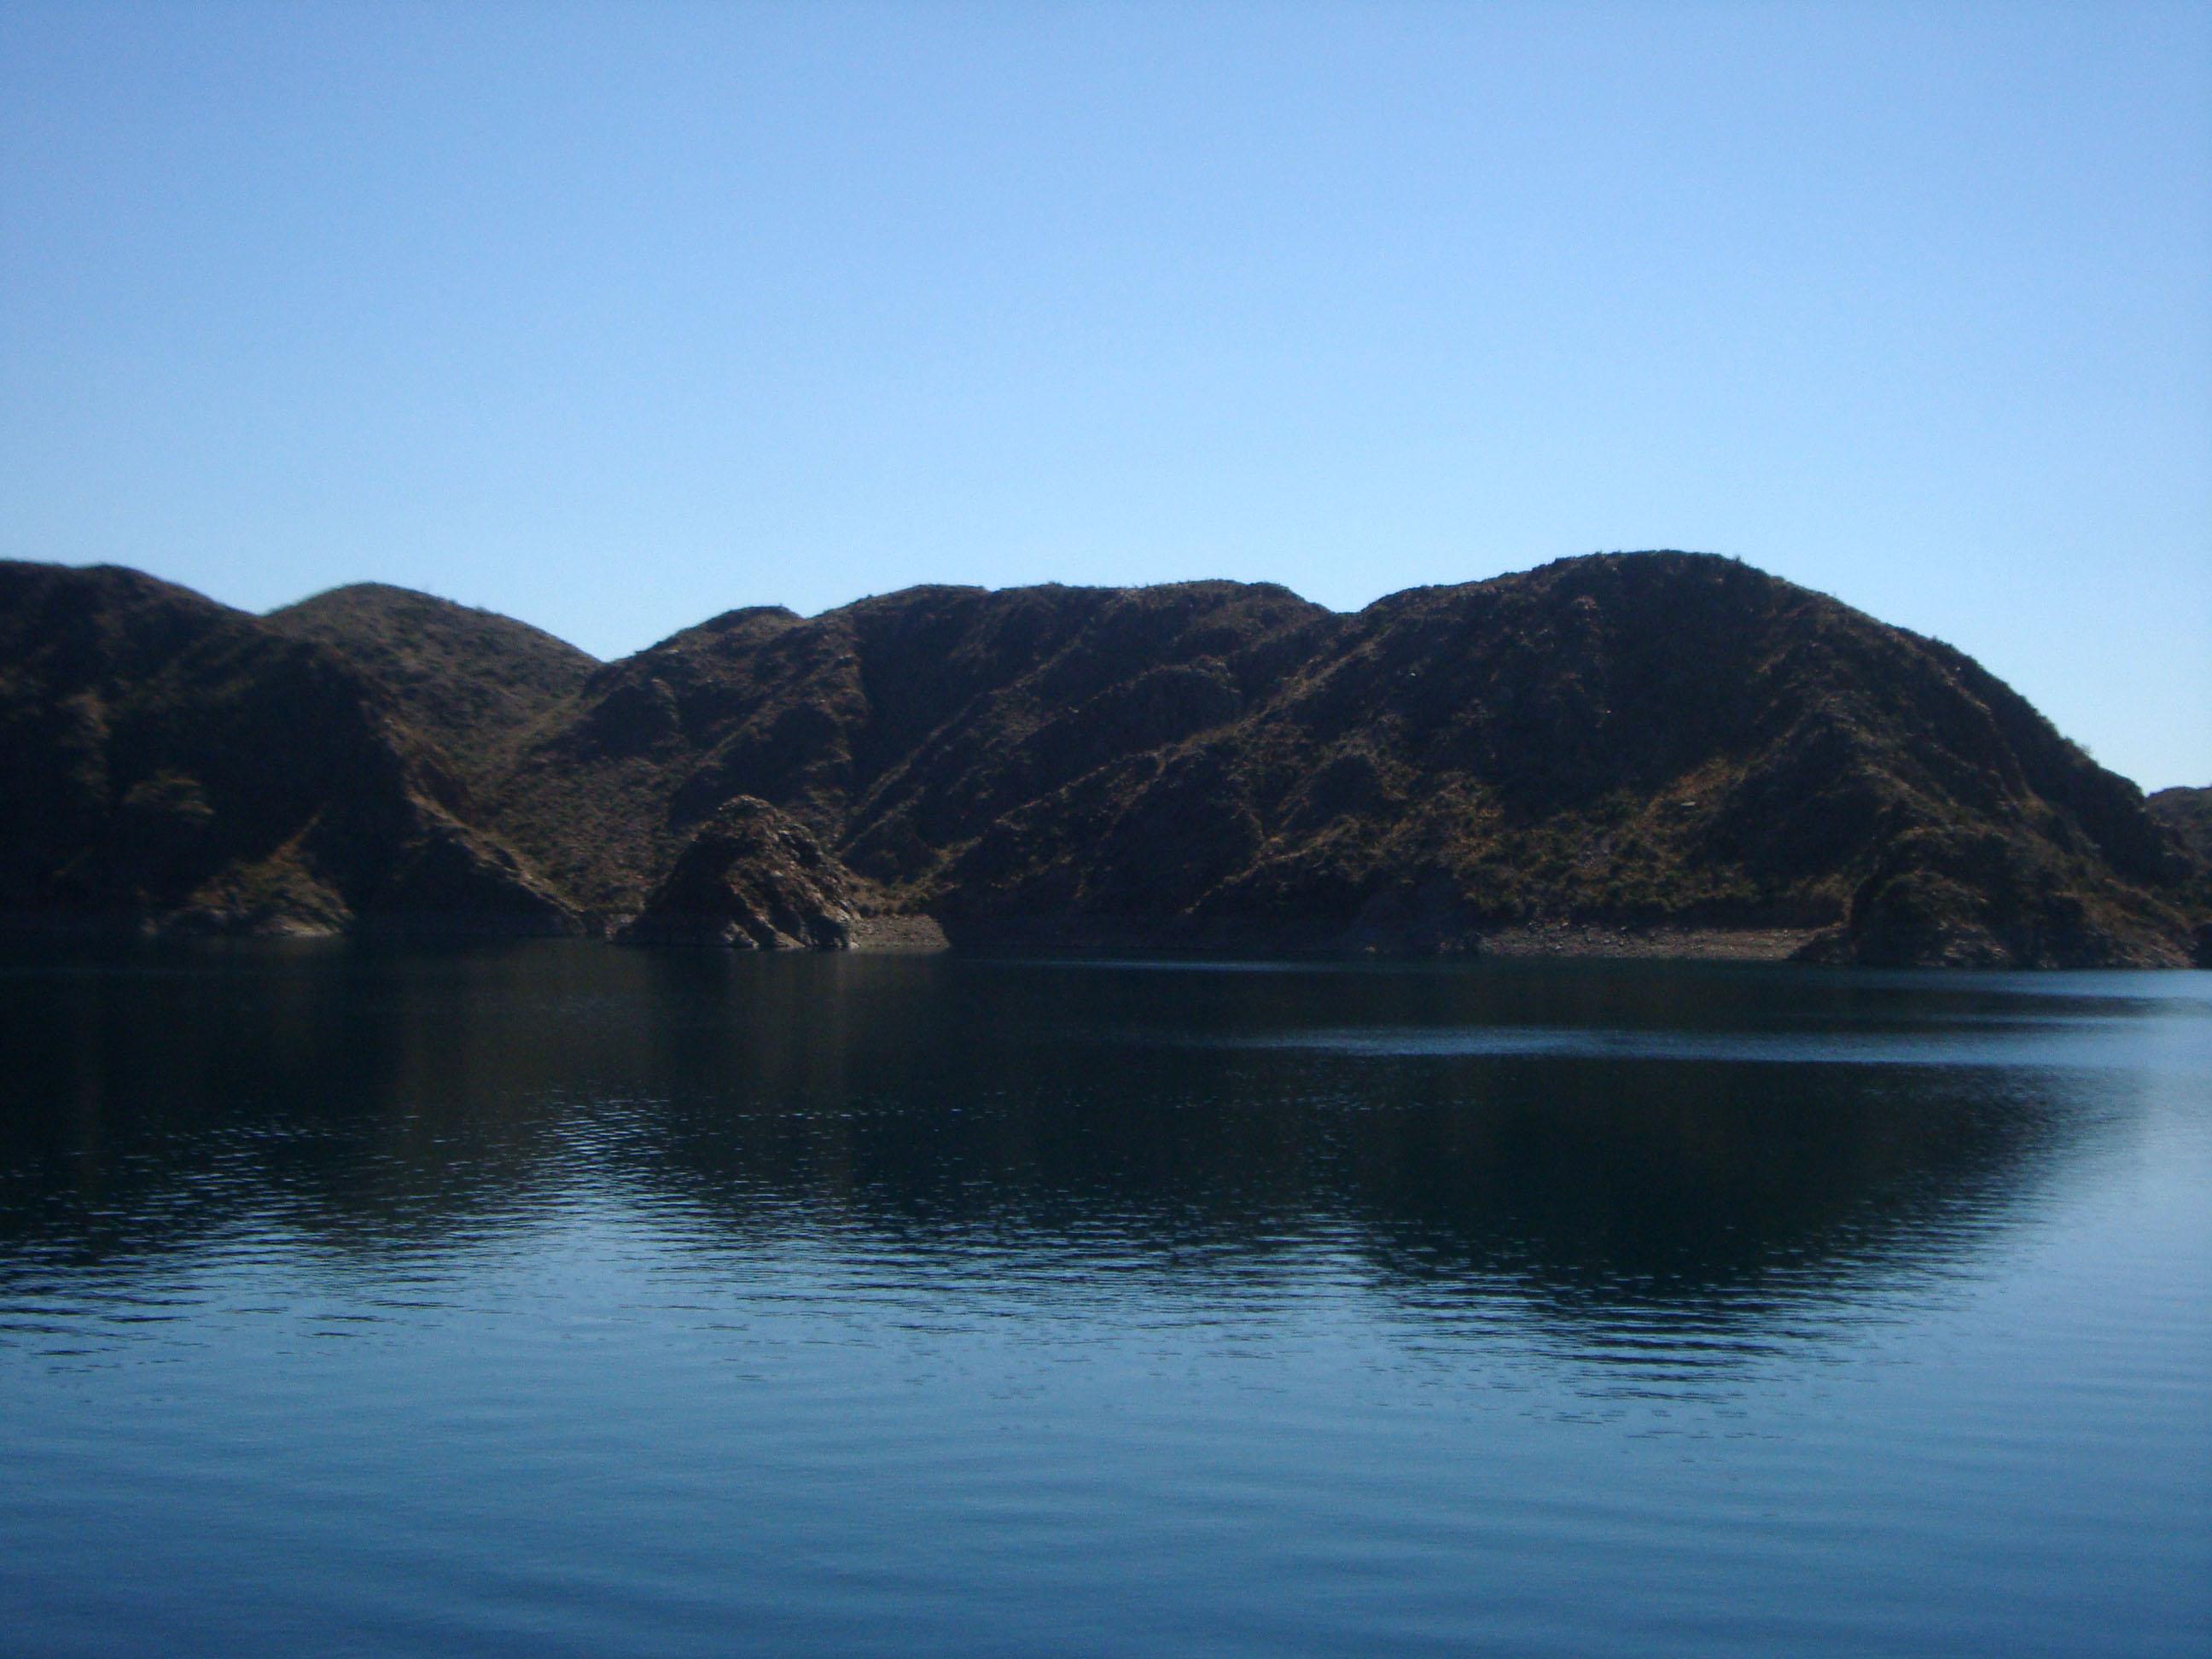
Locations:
{"points": [[753, 879]]}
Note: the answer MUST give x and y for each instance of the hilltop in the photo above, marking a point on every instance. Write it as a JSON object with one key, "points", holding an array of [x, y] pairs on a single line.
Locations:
{"points": [[475, 683], [1658, 750], [174, 764]]}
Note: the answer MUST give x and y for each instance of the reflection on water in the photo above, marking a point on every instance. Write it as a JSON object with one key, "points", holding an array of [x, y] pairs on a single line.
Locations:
{"points": [[1588, 1141], [1688, 1186]]}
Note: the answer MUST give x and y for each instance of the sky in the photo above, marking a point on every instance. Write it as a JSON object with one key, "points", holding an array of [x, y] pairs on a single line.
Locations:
{"points": [[614, 317]]}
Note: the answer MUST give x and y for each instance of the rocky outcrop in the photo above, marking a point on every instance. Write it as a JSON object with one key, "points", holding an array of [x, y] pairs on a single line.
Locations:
{"points": [[752, 879]]}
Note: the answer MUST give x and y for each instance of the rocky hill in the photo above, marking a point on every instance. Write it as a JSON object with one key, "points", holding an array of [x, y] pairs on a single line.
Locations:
{"points": [[173, 764], [2186, 816], [753, 880], [476, 683], [1654, 750]]}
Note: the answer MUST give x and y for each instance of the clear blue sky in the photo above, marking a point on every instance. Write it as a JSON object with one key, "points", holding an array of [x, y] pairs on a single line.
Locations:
{"points": [[613, 316]]}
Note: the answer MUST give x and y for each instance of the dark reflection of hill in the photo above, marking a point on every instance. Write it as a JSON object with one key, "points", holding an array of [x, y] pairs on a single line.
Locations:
{"points": [[154, 1097], [1587, 1186], [1738, 1190], [1073, 1119]]}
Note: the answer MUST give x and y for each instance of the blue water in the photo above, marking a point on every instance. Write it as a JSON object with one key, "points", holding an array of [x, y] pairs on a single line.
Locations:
{"points": [[555, 1298]]}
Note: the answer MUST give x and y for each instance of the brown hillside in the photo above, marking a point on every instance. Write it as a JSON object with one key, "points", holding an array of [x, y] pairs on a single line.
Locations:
{"points": [[1629, 741], [175, 764], [903, 724], [2185, 817], [473, 681], [1607, 746]]}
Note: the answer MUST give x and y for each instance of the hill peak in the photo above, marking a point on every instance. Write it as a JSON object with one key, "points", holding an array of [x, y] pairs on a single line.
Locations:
{"points": [[471, 681]]}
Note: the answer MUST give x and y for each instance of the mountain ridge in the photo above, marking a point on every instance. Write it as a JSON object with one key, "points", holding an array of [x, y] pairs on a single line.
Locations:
{"points": [[1613, 746]]}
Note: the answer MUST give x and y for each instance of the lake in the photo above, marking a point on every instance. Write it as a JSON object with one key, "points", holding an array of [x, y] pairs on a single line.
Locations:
{"points": [[549, 1297]]}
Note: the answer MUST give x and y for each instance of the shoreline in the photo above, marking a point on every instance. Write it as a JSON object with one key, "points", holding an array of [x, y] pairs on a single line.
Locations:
{"points": [[915, 934]]}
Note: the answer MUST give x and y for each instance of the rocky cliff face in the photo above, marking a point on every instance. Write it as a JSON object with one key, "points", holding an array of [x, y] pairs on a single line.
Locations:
{"points": [[1618, 743], [752, 880]]}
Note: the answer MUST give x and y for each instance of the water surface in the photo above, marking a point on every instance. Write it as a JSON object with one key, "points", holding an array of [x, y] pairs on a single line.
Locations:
{"points": [[547, 1298]]}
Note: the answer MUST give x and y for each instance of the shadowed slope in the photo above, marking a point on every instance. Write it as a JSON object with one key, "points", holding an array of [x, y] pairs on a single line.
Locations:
{"points": [[172, 762], [473, 681], [1631, 743], [905, 724], [1628, 741], [2185, 817]]}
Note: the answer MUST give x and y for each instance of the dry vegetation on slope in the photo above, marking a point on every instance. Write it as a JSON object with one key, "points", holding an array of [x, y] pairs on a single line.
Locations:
{"points": [[476, 683], [176, 764], [1612, 743]]}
